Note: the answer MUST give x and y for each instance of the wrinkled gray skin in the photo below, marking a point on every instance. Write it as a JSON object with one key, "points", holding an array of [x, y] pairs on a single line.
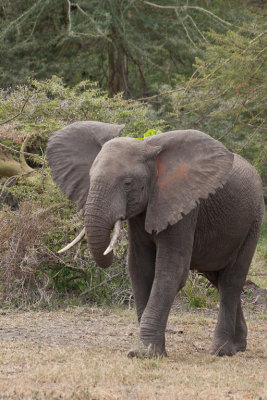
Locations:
{"points": [[189, 202]]}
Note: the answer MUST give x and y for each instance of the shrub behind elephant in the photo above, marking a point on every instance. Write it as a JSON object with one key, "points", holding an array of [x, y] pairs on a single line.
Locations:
{"points": [[189, 202]]}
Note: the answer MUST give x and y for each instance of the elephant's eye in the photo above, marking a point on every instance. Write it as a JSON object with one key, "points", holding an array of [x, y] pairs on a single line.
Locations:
{"points": [[127, 183]]}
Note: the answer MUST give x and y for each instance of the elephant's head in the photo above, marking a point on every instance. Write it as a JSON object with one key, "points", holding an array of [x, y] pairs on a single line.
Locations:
{"points": [[116, 178]]}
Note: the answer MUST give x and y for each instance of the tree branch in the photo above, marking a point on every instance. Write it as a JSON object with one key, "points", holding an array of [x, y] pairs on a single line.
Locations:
{"points": [[188, 35], [189, 8], [20, 17], [197, 28], [69, 15], [23, 105], [100, 284], [207, 12], [80, 9], [19, 113], [21, 152], [158, 95]]}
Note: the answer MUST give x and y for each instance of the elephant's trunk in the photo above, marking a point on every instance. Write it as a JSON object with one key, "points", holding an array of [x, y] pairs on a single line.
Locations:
{"points": [[98, 238], [98, 225]]}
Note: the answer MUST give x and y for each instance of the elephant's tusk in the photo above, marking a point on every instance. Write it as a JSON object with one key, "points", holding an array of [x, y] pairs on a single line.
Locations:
{"points": [[76, 240], [116, 233]]}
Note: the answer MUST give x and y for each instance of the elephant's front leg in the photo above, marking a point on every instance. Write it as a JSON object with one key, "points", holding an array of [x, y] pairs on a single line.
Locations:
{"points": [[141, 263], [174, 248]]}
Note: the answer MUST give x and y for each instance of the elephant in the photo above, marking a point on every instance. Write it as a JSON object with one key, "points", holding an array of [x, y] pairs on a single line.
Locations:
{"points": [[190, 203]]}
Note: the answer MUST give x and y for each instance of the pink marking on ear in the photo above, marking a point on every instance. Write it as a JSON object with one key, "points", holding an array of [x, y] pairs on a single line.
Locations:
{"points": [[160, 168], [181, 174]]}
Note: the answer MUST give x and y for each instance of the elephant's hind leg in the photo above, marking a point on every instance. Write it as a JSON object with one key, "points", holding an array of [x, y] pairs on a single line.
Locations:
{"points": [[240, 339], [241, 330], [231, 330]]}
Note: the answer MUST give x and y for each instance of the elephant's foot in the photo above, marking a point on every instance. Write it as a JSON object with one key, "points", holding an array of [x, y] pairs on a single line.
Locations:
{"points": [[150, 351], [225, 348], [241, 344]]}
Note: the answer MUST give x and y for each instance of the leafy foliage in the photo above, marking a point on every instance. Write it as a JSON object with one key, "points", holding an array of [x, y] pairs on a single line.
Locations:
{"points": [[226, 95], [53, 105], [41, 220], [132, 47]]}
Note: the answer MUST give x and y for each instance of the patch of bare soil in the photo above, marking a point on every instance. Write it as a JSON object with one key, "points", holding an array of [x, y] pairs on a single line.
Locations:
{"points": [[80, 354], [253, 294]]}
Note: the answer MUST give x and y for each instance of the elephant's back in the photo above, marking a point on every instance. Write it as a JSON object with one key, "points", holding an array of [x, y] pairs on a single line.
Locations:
{"points": [[246, 183]]}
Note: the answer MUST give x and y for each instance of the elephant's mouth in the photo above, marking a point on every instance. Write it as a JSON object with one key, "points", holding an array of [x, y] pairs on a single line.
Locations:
{"points": [[99, 242], [109, 249]]}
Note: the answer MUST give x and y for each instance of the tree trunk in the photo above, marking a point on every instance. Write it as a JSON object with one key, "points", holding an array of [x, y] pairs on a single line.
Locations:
{"points": [[117, 67]]}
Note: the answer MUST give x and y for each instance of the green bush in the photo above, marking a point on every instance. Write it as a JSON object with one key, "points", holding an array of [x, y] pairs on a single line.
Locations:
{"points": [[199, 292], [50, 106]]}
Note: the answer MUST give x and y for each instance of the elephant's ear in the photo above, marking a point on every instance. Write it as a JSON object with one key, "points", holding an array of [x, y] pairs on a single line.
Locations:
{"points": [[190, 166], [71, 152]]}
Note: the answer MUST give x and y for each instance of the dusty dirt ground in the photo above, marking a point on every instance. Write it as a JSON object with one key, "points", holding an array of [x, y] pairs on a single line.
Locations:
{"points": [[80, 354]]}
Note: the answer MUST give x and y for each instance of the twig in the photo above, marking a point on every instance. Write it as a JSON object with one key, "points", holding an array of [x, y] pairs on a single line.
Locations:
{"points": [[63, 262], [209, 13], [185, 89], [21, 152], [69, 15], [79, 8], [19, 18], [188, 35], [100, 284], [35, 23], [258, 37], [250, 138], [197, 28], [9, 180], [189, 8], [19, 113], [229, 130], [72, 278], [80, 34], [158, 95], [23, 105]]}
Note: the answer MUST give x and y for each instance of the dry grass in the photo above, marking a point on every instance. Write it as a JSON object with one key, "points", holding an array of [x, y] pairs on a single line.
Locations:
{"points": [[80, 354], [21, 240]]}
